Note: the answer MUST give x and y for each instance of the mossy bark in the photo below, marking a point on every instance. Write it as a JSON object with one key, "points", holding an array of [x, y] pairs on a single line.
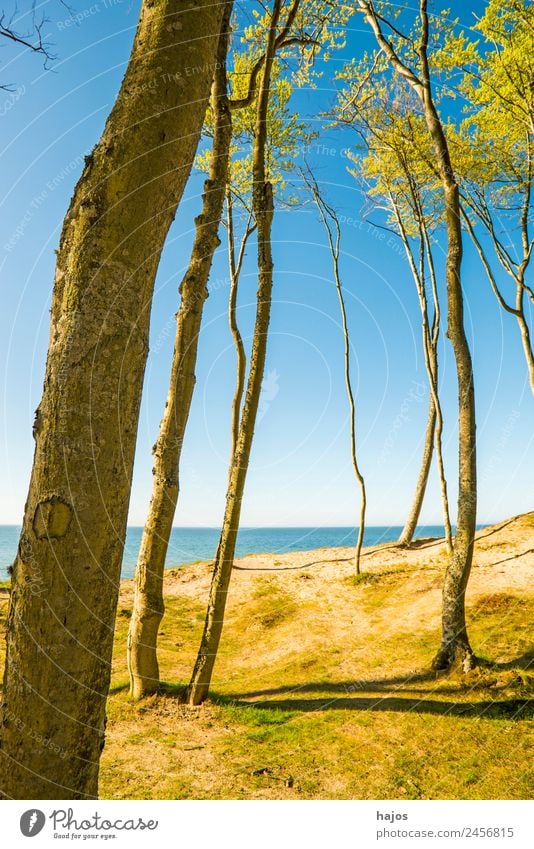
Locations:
{"points": [[66, 575], [148, 606], [263, 209]]}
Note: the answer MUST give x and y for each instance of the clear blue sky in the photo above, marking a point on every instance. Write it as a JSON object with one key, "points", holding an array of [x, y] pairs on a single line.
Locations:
{"points": [[300, 472]]}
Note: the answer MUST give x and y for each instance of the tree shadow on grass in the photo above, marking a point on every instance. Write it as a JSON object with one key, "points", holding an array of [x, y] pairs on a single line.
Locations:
{"points": [[509, 709], [396, 694], [525, 661], [378, 684]]}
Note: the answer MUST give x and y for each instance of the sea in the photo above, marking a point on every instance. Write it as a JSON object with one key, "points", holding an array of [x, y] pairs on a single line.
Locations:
{"points": [[188, 545]]}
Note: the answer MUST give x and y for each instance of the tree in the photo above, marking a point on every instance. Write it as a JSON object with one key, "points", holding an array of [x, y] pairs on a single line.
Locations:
{"points": [[494, 151], [307, 25], [398, 180], [227, 169], [235, 264], [410, 59], [284, 135], [263, 210], [148, 605], [66, 574], [332, 227]]}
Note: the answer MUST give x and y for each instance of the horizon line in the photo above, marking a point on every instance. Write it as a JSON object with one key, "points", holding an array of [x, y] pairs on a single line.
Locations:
{"points": [[294, 527]]}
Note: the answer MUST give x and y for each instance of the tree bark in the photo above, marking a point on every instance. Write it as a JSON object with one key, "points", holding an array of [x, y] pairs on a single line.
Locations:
{"points": [[455, 649], [148, 606], [66, 575], [262, 203], [524, 330], [527, 349]]}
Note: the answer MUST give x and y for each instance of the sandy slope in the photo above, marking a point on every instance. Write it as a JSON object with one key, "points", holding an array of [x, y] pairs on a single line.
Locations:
{"points": [[322, 686], [503, 563]]}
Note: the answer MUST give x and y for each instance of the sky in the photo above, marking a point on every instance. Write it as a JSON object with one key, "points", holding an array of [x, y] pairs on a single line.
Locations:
{"points": [[300, 472]]}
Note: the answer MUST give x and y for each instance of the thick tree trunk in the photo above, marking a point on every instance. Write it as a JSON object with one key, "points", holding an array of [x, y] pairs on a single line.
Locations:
{"points": [[148, 607], [428, 450], [66, 575], [262, 201]]}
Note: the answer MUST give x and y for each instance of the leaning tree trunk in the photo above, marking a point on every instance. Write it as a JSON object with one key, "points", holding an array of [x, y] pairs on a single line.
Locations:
{"points": [[434, 428], [148, 606], [66, 575], [408, 531], [262, 202]]}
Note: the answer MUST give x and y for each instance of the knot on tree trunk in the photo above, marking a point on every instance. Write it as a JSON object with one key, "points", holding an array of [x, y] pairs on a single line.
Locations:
{"points": [[52, 518]]}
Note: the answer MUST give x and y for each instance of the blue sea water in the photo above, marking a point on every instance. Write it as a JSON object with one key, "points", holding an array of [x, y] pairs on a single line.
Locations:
{"points": [[190, 544]]}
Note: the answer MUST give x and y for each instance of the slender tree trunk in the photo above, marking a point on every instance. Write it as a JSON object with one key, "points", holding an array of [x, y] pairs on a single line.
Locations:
{"points": [[262, 201], [524, 331], [328, 214], [66, 575], [526, 217], [406, 537], [455, 649], [430, 349], [441, 467], [432, 366], [352, 408], [148, 606], [241, 359]]}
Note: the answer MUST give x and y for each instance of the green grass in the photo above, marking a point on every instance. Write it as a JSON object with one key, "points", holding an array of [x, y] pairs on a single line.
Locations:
{"points": [[307, 705]]}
